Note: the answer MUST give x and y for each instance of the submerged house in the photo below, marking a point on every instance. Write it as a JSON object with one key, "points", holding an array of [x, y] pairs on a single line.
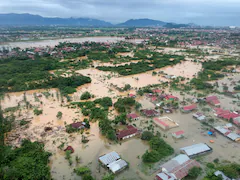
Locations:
{"points": [[226, 132], [133, 116], [150, 112], [196, 149], [127, 133], [225, 114], [189, 108], [113, 162], [176, 168], [213, 100], [199, 116], [178, 134]]}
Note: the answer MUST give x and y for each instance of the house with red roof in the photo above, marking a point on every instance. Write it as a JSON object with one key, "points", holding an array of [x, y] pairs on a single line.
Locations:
{"points": [[178, 134], [161, 123], [178, 167], [225, 114], [171, 97], [157, 91], [132, 95], [127, 133], [133, 116], [150, 112], [213, 100], [189, 108]]}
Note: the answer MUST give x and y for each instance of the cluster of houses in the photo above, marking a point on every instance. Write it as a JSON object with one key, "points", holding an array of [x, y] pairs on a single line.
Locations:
{"points": [[227, 131], [178, 167]]}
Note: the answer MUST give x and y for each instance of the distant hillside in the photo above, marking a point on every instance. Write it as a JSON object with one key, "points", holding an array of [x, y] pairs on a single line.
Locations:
{"points": [[32, 20], [173, 25], [142, 23], [29, 19]]}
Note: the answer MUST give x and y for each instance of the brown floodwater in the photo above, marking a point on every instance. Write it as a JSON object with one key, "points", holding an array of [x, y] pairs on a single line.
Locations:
{"points": [[54, 42]]}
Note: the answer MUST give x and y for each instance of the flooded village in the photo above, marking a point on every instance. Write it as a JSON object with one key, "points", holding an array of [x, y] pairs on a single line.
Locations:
{"points": [[152, 108]]}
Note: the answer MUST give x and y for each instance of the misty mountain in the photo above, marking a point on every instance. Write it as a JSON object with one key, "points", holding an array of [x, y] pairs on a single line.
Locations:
{"points": [[33, 20], [29, 19], [142, 23]]}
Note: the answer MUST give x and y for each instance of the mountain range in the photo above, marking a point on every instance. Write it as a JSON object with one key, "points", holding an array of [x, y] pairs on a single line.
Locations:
{"points": [[34, 20]]}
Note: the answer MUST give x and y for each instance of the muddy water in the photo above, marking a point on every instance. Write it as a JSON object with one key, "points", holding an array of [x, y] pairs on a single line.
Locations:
{"points": [[55, 42], [223, 148], [186, 69], [90, 152]]}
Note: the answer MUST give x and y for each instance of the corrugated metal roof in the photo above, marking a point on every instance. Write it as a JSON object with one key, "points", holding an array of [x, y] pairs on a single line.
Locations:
{"points": [[182, 170], [196, 149], [233, 136], [181, 158], [164, 176], [175, 162], [221, 129], [117, 165], [109, 158]]}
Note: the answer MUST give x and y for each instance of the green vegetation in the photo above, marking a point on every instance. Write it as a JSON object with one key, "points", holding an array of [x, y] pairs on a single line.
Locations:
{"points": [[22, 73], [157, 60], [99, 113], [23, 122], [108, 177], [82, 170], [159, 150], [37, 112], [123, 104], [232, 170], [121, 119], [86, 95], [59, 115], [147, 135], [30, 161], [194, 172]]}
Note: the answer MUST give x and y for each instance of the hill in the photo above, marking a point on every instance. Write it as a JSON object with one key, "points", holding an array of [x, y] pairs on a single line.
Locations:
{"points": [[142, 23], [29, 19]]}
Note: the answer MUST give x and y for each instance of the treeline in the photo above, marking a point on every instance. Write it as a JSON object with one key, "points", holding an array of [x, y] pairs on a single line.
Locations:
{"points": [[219, 65], [156, 61], [26, 74], [209, 73]]}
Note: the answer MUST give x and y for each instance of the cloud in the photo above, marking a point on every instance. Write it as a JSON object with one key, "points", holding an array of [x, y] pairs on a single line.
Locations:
{"points": [[205, 12]]}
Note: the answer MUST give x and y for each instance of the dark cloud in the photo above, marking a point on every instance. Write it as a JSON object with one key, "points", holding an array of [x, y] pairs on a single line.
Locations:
{"points": [[205, 12]]}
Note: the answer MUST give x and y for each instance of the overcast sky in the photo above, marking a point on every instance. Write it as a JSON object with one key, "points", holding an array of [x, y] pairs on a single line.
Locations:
{"points": [[203, 12]]}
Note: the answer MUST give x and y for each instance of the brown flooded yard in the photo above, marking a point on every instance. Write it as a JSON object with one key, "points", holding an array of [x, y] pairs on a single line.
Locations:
{"points": [[51, 131]]}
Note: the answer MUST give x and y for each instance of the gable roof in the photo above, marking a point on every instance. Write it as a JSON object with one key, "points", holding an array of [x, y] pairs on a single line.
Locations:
{"points": [[109, 158], [190, 107], [129, 131], [182, 170], [132, 116], [178, 133]]}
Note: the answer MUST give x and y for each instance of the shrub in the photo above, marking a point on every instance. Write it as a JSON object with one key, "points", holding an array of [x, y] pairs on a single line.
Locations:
{"points": [[194, 172], [147, 135], [82, 170], [37, 112], [86, 95]]}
